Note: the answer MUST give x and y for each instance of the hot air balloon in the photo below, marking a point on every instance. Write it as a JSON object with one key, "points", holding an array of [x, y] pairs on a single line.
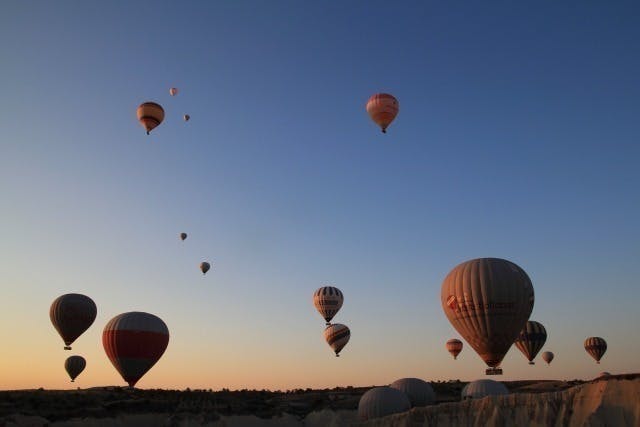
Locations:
{"points": [[382, 109], [204, 267], [74, 365], [337, 336], [134, 342], [531, 340], [382, 401], [328, 301], [547, 356], [71, 315], [482, 388], [173, 91], [454, 346], [183, 236], [596, 347], [419, 392], [488, 301], [186, 117], [150, 115]]}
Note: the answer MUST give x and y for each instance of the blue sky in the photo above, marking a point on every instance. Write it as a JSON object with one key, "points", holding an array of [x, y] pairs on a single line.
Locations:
{"points": [[517, 137]]}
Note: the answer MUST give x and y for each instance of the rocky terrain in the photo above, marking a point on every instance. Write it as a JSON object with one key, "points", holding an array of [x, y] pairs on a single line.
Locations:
{"points": [[611, 401]]}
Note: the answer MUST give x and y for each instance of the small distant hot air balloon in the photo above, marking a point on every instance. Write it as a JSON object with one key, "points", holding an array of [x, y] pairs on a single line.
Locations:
{"points": [[74, 365], [531, 340], [173, 91], [71, 315], [596, 347], [382, 109], [186, 117], [337, 336], [150, 115], [183, 236], [204, 267], [328, 301], [488, 301], [454, 346], [547, 356], [134, 342]]}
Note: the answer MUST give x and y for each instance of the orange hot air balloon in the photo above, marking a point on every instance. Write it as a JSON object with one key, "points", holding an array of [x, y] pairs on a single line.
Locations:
{"points": [[150, 115], [134, 342], [488, 301], [454, 346], [173, 91], [382, 109], [74, 365], [547, 356], [71, 315], [596, 347]]}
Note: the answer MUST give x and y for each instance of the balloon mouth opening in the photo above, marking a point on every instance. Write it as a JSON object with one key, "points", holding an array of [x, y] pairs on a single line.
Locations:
{"points": [[66, 347]]}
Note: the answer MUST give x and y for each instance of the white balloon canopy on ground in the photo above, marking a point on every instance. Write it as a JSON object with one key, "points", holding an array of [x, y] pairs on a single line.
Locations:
{"points": [[482, 388], [419, 392], [382, 401]]}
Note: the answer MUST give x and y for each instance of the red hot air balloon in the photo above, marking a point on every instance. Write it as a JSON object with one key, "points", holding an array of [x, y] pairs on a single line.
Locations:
{"points": [[150, 115], [134, 342], [454, 346], [71, 315], [382, 109]]}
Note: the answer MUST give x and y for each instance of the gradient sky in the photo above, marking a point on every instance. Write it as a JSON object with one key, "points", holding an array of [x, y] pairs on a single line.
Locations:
{"points": [[517, 137]]}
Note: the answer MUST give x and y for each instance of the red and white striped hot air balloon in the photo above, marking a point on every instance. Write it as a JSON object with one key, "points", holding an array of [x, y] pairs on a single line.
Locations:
{"points": [[134, 342], [328, 301], [337, 336], [382, 109]]}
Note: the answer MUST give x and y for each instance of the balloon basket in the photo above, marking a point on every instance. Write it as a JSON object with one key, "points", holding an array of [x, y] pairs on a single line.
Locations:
{"points": [[66, 347], [531, 363], [493, 371]]}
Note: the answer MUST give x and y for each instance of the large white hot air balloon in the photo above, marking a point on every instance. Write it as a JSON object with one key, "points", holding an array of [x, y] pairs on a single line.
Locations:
{"points": [[488, 301], [382, 401], [419, 392], [482, 388]]}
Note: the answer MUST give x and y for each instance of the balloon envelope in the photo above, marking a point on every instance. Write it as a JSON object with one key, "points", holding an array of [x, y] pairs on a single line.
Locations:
{"points": [[531, 340], [454, 346], [482, 388], [337, 336], [328, 301], [419, 392], [488, 301], [150, 115], [382, 109], [134, 342], [596, 347], [547, 356], [74, 365], [382, 401], [71, 315], [204, 267]]}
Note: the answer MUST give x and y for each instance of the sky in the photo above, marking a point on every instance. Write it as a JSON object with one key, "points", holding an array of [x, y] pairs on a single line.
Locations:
{"points": [[517, 138]]}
